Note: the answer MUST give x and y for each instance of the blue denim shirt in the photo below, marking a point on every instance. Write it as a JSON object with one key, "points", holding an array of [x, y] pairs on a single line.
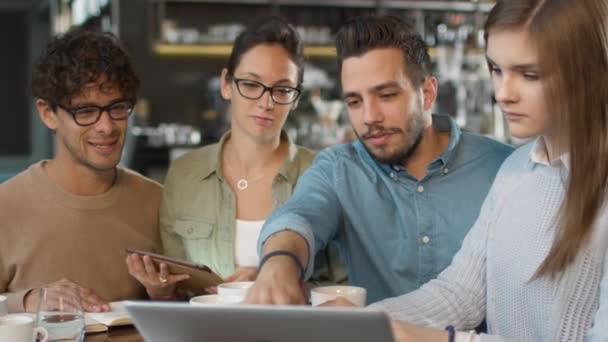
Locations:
{"points": [[394, 232]]}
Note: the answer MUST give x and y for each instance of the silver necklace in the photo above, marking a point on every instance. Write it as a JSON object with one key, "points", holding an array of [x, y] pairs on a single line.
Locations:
{"points": [[242, 183]]}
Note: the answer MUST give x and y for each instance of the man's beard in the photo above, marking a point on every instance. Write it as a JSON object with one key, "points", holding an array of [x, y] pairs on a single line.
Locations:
{"points": [[414, 134]]}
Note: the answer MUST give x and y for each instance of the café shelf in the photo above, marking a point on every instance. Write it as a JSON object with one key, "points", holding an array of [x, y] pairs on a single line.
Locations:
{"points": [[205, 28], [223, 50]]}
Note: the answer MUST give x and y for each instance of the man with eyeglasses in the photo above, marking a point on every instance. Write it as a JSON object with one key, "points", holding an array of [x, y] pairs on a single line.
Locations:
{"points": [[68, 220]]}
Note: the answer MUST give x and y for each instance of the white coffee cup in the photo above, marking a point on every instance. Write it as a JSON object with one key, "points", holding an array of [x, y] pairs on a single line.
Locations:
{"points": [[236, 289], [20, 328], [215, 299], [353, 294], [3, 306]]}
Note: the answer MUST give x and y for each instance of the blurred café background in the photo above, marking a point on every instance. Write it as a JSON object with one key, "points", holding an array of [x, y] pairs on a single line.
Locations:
{"points": [[179, 47]]}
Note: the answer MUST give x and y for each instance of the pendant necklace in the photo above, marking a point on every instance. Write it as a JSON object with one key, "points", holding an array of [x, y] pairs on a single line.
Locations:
{"points": [[243, 183]]}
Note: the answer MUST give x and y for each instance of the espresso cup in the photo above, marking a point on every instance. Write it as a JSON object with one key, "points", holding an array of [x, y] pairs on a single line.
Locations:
{"points": [[3, 306], [353, 294], [236, 289], [215, 299], [20, 328]]}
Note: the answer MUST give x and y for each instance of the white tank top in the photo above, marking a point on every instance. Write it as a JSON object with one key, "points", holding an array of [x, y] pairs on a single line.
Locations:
{"points": [[246, 242]]}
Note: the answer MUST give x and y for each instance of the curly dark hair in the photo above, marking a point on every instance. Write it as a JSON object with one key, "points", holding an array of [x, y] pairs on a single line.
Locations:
{"points": [[77, 58]]}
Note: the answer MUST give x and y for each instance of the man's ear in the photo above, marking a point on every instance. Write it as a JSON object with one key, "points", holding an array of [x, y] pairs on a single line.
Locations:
{"points": [[429, 92], [225, 88], [47, 114]]}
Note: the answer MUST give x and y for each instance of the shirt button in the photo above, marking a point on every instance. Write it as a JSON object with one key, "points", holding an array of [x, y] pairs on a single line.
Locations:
{"points": [[420, 188], [393, 175], [445, 170], [275, 202], [426, 239], [190, 230]]}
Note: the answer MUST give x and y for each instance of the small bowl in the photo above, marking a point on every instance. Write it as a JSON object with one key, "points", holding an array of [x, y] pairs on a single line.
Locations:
{"points": [[215, 299], [234, 289], [354, 294]]}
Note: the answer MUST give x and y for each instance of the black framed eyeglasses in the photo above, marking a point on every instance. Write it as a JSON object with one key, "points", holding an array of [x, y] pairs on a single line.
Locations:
{"points": [[89, 115], [253, 90]]}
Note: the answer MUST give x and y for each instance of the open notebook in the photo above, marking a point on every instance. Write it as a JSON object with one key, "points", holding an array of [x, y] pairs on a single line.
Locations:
{"points": [[101, 321]]}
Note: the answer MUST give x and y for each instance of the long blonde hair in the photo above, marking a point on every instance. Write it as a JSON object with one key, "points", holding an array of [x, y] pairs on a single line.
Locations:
{"points": [[572, 41]]}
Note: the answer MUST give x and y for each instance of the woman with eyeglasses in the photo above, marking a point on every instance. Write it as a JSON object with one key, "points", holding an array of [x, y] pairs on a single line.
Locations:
{"points": [[216, 198]]}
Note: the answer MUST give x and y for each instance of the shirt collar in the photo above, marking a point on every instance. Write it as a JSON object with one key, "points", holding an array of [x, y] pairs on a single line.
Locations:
{"points": [[538, 156], [287, 170], [444, 123], [215, 165]]}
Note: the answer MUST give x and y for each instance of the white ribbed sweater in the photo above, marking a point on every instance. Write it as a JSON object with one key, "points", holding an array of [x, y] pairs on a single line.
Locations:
{"points": [[490, 276]]}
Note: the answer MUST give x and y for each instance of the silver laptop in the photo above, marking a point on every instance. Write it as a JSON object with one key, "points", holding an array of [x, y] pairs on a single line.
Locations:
{"points": [[183, 322]]}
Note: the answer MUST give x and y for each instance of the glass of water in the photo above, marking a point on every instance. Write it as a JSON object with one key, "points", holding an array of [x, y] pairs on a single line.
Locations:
{"points": [[60, 313]]}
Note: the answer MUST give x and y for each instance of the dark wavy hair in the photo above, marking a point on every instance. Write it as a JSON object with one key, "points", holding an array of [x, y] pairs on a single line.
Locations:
{"points": [[77, 58], [268, 30], [360, 35]]}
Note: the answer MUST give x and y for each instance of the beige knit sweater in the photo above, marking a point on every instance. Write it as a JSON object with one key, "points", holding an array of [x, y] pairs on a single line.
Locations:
{"points": [[47, 233]]}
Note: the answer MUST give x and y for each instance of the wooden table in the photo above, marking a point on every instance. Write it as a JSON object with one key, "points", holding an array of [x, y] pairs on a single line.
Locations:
{"points": [[117, 334]]}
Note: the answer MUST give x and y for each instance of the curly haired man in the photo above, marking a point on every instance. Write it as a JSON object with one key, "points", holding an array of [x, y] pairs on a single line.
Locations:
{"points": [[67, 221]]}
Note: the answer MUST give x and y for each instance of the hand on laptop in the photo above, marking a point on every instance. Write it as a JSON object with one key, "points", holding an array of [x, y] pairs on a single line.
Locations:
{"points": [[277, 283], [160, 285], [89, 300]]}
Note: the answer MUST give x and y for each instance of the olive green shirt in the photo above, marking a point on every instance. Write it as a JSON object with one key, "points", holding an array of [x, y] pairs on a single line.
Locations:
{"points": [[198, 208]]}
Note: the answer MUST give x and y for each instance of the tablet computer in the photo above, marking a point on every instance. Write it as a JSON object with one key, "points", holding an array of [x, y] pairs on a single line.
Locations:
{"points": [[201, 276], [182, 322]]}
